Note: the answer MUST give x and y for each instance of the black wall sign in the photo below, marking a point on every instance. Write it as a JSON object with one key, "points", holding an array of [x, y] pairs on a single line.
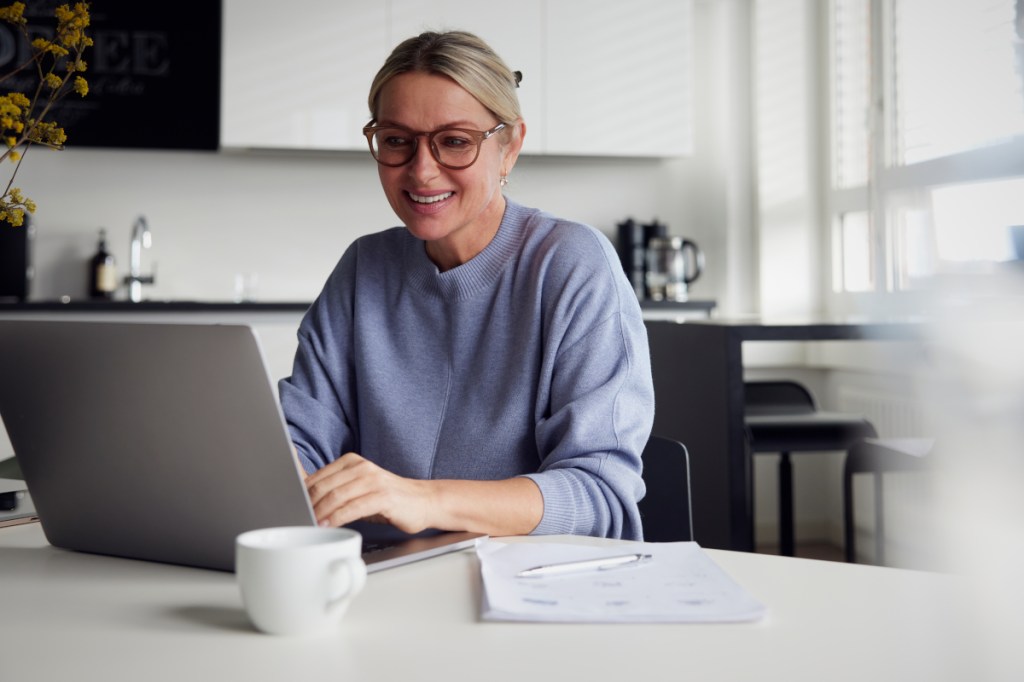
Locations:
{"points": [[153, 73]]}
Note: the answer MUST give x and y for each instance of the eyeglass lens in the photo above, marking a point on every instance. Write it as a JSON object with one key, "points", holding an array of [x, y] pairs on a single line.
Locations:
{"points": [[452, 148]]}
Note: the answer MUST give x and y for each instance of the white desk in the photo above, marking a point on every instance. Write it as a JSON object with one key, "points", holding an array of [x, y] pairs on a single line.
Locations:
{"points": [[65, 615]]}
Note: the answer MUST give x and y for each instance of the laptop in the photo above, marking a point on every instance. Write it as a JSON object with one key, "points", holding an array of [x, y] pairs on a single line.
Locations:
{"points": [[157, 441]]}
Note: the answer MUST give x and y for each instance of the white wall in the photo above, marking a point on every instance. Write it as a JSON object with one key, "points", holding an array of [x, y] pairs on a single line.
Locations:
{"points": [[289, 216]]}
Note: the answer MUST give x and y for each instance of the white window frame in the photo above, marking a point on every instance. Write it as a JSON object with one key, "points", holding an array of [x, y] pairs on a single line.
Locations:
{"points": [[889, 187]]}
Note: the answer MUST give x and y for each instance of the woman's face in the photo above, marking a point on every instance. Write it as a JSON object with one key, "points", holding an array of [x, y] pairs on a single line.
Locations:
{"points": [[456, 212]]}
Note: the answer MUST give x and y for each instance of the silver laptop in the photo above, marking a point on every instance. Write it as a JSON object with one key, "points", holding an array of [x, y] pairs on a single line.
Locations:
{"points": [[159, 442]]}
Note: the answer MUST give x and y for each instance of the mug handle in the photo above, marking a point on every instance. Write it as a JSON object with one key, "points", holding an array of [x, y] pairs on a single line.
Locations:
{"points": [[698, 259], [347, 578]]}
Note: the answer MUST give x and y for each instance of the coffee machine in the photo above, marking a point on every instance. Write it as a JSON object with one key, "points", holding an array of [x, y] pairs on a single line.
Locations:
{"points": [[659, 267]]}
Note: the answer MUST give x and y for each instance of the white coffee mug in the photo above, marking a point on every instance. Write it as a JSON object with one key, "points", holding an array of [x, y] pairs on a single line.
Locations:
{"points": [[298, 579]]}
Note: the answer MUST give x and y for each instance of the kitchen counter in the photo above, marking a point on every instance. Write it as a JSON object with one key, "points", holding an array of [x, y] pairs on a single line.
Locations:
{"points": [[651, 309], [86, 306]]}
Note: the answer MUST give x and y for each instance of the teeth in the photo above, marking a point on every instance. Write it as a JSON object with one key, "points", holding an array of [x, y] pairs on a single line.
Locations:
{"points": [[431, 199]]}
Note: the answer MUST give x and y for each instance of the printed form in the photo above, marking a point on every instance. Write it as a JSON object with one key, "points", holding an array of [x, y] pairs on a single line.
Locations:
{"points": [[679, 583]]}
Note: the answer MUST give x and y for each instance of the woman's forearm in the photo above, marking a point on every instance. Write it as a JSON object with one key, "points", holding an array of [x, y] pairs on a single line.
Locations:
{"points": [[512, 506]]}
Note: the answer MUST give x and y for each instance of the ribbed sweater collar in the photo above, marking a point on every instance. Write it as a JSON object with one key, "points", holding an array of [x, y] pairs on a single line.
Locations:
{"points": [[479, 272]]}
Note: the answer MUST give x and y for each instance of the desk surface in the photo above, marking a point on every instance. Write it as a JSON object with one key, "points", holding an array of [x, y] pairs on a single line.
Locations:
{"points": [[67, 615]]}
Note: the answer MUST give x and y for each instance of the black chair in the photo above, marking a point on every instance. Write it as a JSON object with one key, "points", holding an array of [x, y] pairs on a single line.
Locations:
{"points": [[876, 457], [782, 417], [665, 510]]}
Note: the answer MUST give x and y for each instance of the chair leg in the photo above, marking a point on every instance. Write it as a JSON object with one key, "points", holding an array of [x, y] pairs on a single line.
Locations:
{"points": [[879, 521], [849, 533], [787, 539]]}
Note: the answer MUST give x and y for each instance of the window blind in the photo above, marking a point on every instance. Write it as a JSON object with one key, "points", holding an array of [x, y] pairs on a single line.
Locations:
{"points": [[954, 77]]}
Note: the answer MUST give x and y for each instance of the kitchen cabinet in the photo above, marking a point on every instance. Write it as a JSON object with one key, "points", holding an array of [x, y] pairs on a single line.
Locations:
{"points": [[599, 79], [514, 34], [618, 77], [297, 76]]}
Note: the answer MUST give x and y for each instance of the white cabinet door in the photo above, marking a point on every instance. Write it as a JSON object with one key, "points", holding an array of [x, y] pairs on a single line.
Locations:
{"points": [[618, 77], [599, 79], [297, 75], [513, 31]]}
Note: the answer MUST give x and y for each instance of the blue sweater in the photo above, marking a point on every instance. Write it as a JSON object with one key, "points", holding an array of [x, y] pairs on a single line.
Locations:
{"points": [[530, 359]]}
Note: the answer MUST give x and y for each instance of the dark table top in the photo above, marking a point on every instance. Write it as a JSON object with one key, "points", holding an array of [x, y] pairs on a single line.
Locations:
{"points": [[754, 328]]}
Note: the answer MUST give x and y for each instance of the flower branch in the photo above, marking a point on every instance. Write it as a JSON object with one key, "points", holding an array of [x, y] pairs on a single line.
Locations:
{"points": [[58, 65]]}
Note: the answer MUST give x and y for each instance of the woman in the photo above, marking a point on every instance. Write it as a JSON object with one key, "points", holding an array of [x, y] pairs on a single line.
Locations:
{"points": [[485, 366]]}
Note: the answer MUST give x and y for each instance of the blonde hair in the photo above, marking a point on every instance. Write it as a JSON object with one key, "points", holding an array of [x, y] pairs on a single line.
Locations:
{"points": [[464, 58]]}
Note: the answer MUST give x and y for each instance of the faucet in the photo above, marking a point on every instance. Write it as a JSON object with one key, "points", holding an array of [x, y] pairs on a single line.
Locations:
{"points": [[141, 239]]}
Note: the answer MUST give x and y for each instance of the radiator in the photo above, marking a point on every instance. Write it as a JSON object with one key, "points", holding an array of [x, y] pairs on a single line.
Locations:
{"points": [[893, 415]]}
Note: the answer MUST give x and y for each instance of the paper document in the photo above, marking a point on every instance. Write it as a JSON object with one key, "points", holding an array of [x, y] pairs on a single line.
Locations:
{"points": [[678, 584]]}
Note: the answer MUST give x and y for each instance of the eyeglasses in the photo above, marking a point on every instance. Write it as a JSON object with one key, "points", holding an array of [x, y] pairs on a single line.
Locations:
{"points": [[453, 148]]}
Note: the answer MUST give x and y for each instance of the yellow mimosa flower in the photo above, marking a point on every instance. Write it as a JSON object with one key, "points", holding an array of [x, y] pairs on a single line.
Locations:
{"points": [[61, 54], [13, 13]]}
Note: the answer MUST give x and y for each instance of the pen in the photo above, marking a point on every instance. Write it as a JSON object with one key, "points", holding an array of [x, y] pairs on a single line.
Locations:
{"points": [[601, 564]]}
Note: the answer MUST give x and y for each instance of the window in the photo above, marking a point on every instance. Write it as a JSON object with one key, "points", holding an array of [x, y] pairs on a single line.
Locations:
{"points": [[953, 78], [927, 138], [853, 257]]}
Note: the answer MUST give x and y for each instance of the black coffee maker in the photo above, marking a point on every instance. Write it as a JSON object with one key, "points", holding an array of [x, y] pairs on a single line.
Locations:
{"points": [[16, 260], [633, 239]]}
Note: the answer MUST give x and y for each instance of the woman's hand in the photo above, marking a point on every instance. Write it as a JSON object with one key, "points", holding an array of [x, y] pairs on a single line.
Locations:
{"points": [[353, 488]]}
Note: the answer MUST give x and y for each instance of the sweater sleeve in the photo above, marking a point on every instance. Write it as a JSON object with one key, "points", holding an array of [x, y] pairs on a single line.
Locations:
{"points": [[600, 407], [318, 398]]}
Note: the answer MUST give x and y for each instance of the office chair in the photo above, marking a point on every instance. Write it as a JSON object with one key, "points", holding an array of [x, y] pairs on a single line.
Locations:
{"points": [[782, 417], [666, 511], [876, 457]]}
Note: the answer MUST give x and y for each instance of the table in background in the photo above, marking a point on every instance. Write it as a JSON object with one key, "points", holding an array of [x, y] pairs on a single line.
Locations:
{"points": [[698, 389], [68, 615]]}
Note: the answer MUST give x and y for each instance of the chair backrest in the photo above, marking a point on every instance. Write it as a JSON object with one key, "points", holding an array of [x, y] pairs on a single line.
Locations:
{"points": [[666, 509], [776, 397]]}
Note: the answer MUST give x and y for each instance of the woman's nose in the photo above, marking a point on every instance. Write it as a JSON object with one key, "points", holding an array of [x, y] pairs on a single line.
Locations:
{"points": [[423, 163]]}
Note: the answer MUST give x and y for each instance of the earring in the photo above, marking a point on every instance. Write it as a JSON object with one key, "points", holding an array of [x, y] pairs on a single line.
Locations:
{"points": [[503, 180]]}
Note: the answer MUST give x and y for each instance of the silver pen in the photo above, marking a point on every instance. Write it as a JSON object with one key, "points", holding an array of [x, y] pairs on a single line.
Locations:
{"points": [[601, 564]]}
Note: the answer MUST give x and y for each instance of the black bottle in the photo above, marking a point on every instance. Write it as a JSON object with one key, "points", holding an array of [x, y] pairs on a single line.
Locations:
{"points": [[102, 272]]}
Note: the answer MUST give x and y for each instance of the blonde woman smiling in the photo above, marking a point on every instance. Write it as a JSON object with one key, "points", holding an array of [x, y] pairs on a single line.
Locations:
{"points": [[484, 366]]}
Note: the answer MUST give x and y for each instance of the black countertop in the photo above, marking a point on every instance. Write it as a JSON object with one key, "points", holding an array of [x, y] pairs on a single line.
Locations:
{"points": [[85, 306], [692, 304]]}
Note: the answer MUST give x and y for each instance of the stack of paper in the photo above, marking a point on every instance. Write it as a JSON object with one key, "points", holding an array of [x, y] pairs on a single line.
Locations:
{"points": [[678, 584]]}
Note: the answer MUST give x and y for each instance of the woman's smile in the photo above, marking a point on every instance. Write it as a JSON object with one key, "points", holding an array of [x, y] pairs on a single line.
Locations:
{"points": [[429, 202], [430, 199]]}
